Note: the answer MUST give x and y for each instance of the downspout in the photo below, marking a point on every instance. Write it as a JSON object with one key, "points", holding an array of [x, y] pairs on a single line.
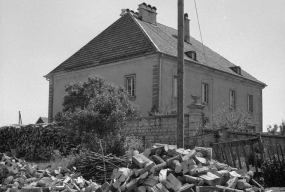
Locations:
{"points": [[212, 100], [160, 82]]}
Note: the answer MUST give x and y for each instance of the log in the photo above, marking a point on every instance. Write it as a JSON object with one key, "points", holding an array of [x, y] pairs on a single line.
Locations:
{"points": [[224, 175], [232, 182], [198, 171], [163, 176], [193, 180], [227, 189], [147, 168], [140, 160], [177, 166], [157, 159], [189, 155], [150, 182], [186, 188], [161, 187], [211, 179], [142, 189], [157, 150], [131, 185], [201, 160], [31, 189], [242, 184], [175, 183]]}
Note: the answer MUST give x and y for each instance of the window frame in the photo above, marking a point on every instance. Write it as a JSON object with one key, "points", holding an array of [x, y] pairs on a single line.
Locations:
{"points": [[230, 99], [133, 86], [206, 101], [249, 105]]}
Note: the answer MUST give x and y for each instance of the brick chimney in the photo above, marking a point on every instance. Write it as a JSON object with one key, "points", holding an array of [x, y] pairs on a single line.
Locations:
{"points": [[147, 13], [186, 28]]}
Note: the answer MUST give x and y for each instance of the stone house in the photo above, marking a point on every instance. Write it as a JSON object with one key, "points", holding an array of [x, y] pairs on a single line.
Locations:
{"points": [[138, 52]]}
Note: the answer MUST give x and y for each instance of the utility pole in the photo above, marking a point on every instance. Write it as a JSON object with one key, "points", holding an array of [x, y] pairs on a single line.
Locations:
{"points": [[180, 76], [20, 118]]}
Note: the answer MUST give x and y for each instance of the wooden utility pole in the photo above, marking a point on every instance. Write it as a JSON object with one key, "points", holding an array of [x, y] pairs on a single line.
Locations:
{"points": [[180, 76], [20, 118]]}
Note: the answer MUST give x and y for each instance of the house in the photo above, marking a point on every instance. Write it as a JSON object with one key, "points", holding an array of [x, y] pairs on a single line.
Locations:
{"points": [[141, 54], [42, 120]]}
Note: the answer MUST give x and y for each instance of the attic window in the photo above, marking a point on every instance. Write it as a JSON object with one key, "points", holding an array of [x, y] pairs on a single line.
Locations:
{"points": [[191, 55], [236, 69]]}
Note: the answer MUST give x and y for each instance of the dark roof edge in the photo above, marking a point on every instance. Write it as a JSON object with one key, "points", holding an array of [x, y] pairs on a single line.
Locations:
{"points": [[214, 69]]}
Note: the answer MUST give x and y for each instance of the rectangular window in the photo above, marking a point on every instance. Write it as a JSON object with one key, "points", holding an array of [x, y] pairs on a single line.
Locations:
{"points": [[130, 85], [250, 103], [205, 93], [174, 87], [232, 99]]}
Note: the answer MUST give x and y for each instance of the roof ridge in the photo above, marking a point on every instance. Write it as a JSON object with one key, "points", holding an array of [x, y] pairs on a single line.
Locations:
{"points": [[144, 32]]}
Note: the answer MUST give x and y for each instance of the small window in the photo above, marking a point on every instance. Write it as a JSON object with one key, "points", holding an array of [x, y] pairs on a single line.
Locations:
{"points": [[191, 54], [205, 93], [130, 85], [250, 103], [232, 99], [174, 91]]}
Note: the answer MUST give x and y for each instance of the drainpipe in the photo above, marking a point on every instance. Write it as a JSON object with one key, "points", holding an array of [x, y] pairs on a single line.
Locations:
{"points": [[160, 82]]}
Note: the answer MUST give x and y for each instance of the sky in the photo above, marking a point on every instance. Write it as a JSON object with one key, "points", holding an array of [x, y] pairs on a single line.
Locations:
{"points": [[36, 36]]}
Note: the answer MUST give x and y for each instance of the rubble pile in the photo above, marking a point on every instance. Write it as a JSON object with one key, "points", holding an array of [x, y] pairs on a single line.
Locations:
{"points": [[164, 168]]}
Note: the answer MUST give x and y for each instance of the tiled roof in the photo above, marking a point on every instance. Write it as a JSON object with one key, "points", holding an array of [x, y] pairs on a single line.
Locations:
{"points": [[130, 37], [165, 39], [122, 39]]}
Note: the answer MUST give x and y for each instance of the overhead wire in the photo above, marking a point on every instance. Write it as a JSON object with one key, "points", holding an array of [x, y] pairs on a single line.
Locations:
{"points": [[206, 59]]}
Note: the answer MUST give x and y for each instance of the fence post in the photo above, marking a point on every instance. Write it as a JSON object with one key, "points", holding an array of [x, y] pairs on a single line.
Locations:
{"points": [[225, 134], [260, 148]]}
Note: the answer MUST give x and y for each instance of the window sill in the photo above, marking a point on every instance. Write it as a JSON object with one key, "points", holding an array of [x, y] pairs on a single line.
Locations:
{"points": [[132, 98]]}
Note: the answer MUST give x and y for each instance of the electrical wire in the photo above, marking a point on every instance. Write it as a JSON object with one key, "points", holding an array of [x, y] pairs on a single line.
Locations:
{"points": [[206, 59]]}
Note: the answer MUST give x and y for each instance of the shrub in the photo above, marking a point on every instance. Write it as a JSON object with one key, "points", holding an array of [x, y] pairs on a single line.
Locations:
{"points": [[273, 130], [274, 172], [236, 120], [95, 110]]}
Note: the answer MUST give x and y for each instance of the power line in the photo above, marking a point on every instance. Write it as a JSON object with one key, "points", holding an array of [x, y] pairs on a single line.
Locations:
{"points": [[206, 59]]}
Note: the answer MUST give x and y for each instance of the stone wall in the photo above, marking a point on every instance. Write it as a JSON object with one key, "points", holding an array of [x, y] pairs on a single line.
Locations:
{"points": [[156, 129]]}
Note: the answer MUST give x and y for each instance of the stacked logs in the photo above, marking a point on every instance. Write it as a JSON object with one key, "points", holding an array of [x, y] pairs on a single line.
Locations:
{"points": [[164, 168], [35, 140]]}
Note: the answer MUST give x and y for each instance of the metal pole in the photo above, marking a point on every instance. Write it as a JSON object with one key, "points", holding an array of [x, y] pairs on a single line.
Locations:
{"points": [[180, 75]]}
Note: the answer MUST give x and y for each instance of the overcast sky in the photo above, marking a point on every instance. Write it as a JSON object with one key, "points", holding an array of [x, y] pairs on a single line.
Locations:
{"points": [[38, 35]]}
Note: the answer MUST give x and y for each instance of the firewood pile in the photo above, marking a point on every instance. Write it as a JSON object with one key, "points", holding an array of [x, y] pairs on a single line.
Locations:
{"points": [[35, 140], [164, 168], [16, 175]]}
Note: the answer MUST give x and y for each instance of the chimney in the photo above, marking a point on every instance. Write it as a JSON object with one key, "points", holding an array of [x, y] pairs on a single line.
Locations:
{"points": [[186, 28], [147, 13]]}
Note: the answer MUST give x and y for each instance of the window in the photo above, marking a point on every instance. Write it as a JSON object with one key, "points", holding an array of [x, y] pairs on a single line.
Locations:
{"points": [[174, 91], [205, 93], [130, 85], [232, 99], [250, 103]]}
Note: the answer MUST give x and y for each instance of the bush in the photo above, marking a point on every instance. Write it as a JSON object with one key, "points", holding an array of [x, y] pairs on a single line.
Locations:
{"points": [[274, 172], [96, 110], [235, 120]]}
